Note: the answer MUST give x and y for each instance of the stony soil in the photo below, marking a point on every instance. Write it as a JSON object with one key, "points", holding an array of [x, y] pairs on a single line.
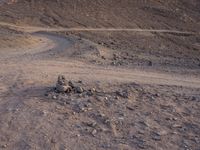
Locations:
{"points": [[116, 90]]}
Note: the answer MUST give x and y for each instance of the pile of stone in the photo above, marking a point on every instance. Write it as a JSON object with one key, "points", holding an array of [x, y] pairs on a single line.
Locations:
{"points": [[62, 86]]}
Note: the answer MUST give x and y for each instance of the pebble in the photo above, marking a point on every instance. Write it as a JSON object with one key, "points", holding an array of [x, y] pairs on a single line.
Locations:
{"points": [[94, 132], [79, 90], [54, 97], [155, 136], [141, 132], [130, 108], [53, 140], [91, 124], [4, 146], [123, 94], [177, 126], [103, 57]]}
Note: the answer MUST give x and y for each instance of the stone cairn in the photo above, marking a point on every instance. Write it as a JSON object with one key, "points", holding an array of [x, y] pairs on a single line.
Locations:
{"points": [[62, 86]]}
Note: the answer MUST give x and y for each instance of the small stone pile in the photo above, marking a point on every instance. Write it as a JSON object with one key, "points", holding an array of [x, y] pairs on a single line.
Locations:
{"points": [[62, 86]]}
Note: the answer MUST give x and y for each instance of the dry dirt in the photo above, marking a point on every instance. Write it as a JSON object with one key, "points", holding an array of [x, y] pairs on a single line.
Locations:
{"points": [[137, 80]]}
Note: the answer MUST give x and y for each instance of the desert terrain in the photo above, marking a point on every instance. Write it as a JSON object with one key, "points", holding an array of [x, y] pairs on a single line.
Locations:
{"points": [[96, 75]]}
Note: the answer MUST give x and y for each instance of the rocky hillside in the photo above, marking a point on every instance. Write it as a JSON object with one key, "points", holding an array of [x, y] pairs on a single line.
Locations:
{"points": [[159, 14]]}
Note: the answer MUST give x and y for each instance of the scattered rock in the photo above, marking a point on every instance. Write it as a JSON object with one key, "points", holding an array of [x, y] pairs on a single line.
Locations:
{"points": [[130, 108], [140, 142], [91, 124], [70, 83], [82, 106], [141, 132], [91, 92], [114, 63], [156, 95], [115, 57], [54, 97], [79, 89], [78, 135], [177, 126], [150, 63], [155, 136], [123, 94], [53, 140], [106, 98], [61, 85], [141, 145], [103, 57], [193, 98], [79, 108], [63, 88], [61, 80], [4, 146], [94, 132], [143, 124]]}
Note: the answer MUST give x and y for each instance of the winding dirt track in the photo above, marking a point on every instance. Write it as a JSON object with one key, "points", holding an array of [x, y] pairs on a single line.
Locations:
{"points": [[60, 29], [36, 65], [26, 74]]}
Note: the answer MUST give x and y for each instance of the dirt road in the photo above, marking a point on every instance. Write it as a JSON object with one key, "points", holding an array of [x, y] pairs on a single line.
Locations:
{"points": [[60, 29], [42, 59], [132, 72], [29, 120]]}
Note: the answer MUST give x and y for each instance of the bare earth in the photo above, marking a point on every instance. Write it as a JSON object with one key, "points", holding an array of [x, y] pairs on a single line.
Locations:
{"points": [[139, 88], [27, 73]]}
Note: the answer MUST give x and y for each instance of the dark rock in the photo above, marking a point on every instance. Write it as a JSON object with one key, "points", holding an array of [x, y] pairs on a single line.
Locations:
{"points": [[91, 92], [141, 146], [61, 85], [78, 108], [63, 88], [193, 98], [91, 124], [61, 80], [80, 81], [79, 90], [115, 57], [81, 107], [155, 136], [123, 94], [72, 84], [140, 143], [130, 108], [150, 63], [103, 57], [53, 140]]}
